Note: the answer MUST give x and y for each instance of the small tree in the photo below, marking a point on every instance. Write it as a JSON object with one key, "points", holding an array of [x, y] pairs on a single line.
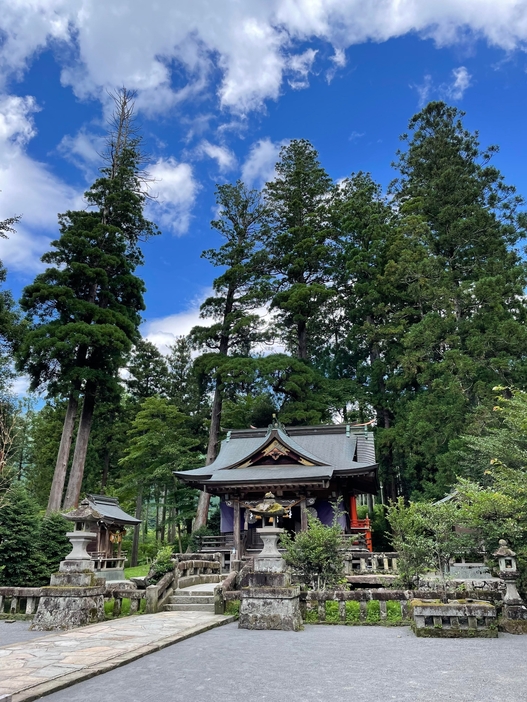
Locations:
{"points": [[316, 554], [53, 544], [427, 536], [19, 537]]}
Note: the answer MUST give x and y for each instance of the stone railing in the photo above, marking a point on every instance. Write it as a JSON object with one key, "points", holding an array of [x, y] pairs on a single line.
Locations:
{"points": [[196, 568], [120, 594], [358, 562], [372, 606], [19, 600]]}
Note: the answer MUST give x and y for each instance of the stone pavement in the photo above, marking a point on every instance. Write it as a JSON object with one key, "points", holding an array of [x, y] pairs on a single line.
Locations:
{"points": [[30, 669], [320, 664]]}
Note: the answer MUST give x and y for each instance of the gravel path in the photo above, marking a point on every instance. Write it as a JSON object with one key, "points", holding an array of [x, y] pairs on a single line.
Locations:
{"points": [[17, 631], [320, 664]]}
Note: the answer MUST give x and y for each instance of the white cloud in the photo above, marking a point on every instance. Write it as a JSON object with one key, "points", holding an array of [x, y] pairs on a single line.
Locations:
{"points": [[259, 165], [27, 188], [301, 66], [461, 82], [84, 150], [163, 331], [424, 90], [221, 154], [253, 43], [174, 189]]}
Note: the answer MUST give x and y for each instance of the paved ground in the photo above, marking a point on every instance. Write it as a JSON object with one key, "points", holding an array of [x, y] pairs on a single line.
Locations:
{"points": [[320, 664], [31, 668], [17, 631]]}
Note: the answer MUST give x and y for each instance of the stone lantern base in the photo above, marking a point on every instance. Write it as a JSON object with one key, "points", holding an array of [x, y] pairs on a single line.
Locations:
{"points": [[270, 602], [75, 596]]}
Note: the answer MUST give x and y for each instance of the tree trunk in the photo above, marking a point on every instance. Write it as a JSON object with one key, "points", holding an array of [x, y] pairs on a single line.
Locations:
{"points": [[202, 511], [302, 341], [59, 476], [105, 471], [81, 446], [137, 528], [164, 516]]}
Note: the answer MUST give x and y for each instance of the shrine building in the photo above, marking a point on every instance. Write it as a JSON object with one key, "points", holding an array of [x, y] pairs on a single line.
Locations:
{"points": [[308, 469]]}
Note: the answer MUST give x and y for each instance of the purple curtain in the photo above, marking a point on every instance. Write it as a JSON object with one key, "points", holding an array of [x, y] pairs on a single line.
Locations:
{"points": [[325, 513], [226, 518]]}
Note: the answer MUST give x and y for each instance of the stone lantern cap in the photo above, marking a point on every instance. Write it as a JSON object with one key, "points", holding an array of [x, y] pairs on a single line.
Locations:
{"points": [[504, 551], [83, 513]]}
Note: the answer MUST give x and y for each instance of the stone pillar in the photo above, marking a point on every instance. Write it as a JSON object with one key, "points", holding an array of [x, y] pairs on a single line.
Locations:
{"points": [[514, 617]]}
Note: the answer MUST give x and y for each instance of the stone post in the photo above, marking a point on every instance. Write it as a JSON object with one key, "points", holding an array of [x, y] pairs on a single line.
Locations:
{"points": [[514, 618], [152, 597]]}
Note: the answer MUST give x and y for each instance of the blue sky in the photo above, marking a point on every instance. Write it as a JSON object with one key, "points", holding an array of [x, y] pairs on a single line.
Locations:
{"points": [[220, 86]]}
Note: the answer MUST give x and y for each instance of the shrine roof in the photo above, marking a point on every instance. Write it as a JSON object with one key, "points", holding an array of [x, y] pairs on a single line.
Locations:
{"points": [[109, 509], [334, 449]]}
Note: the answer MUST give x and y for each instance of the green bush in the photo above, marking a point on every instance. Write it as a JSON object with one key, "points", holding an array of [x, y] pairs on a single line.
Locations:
{"points": [[53, 544], [162, 565], [315, 555], [196, 538], [353, 612], [23, 566]]}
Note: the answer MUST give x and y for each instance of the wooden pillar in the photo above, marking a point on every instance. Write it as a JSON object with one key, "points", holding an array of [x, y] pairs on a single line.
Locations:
{"points": [[353, 510], [303, 514], [236, 531]]}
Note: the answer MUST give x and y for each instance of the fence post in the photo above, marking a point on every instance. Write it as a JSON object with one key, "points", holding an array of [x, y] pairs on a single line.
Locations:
{"points": [[152, 597]]}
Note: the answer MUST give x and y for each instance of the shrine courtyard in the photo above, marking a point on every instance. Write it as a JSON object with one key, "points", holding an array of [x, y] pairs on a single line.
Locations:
{"points": [[322, 663]]}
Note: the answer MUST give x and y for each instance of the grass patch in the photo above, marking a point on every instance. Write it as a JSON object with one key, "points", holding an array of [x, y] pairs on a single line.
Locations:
{"points": [[373, 611], [137, 572], [332, 612], [125, 607], [352, 612], [393, 611], [311, 616], [232, 607]]}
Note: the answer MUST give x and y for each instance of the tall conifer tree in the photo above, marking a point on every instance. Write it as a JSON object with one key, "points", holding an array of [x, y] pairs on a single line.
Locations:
{"points": [[85, 309]]}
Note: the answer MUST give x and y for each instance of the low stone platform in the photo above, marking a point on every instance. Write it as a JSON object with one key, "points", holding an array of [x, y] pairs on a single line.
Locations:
{"points": [[31, 669]]}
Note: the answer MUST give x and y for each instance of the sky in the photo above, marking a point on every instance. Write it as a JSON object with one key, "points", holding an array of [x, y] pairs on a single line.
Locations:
{"points": [[221, 86]]}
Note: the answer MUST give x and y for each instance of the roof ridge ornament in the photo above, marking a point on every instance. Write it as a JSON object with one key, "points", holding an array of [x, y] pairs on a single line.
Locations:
{"points": [[276, 425]]}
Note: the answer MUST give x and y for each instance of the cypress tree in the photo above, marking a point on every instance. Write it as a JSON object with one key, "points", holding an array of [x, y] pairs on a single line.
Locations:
{"points": [[469, 332], [85, 309], [299, 242], [239, 291]]}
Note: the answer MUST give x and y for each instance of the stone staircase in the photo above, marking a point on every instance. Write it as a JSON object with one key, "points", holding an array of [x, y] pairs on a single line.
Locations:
{"points": [[195, 598]]}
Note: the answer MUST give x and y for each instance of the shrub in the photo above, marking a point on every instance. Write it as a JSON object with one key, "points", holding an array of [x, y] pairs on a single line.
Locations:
{"points": [[162, 565], [315, 554], [53, 544], [19, 537], [393, 611]]}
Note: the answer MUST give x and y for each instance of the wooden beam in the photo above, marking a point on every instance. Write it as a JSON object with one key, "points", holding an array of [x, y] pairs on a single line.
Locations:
{"points": [[236, 531]]}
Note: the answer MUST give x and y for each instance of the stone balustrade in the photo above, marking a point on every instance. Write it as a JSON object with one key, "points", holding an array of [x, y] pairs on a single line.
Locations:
{"points": [[356, 562], [19, 600]]}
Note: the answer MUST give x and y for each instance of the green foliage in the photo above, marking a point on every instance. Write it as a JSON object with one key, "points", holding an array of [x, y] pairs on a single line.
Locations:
{"points": [[232, 608], [352, 612], [162, 564], [53, 544], [19, 540], [427, 536], [373, 611], [332, 612], [315, 554], [393, 611]]}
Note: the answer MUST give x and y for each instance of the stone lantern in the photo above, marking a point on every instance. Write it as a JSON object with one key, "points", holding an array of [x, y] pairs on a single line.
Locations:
{"points": [[75, 597], [514, 619]]}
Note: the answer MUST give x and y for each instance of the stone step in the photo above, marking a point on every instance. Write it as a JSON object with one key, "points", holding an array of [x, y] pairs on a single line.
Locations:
{"points": [[189, 608], [177, 599], [193, 593]]}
